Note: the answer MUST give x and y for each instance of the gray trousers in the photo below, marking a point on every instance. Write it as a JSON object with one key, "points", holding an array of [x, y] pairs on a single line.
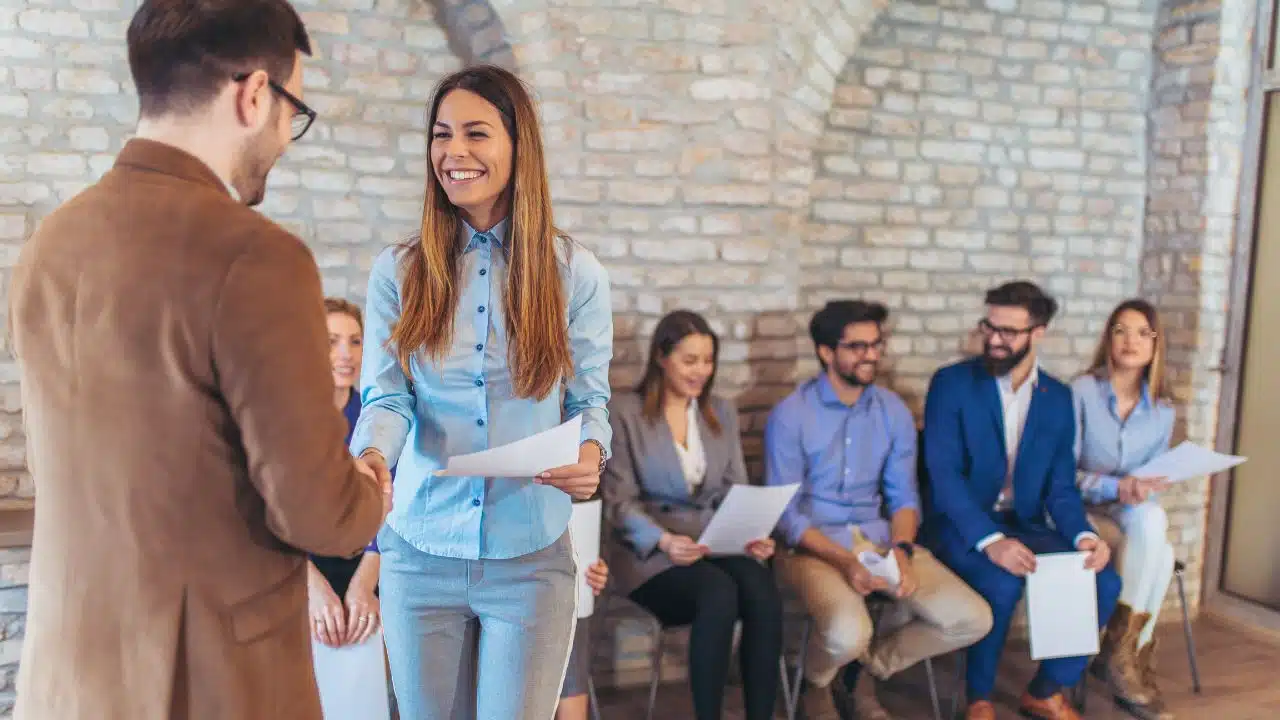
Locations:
{"points": [[477, 639]]}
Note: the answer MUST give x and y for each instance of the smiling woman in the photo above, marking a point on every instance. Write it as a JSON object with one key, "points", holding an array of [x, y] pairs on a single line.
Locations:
{"points": [[473, 330]]}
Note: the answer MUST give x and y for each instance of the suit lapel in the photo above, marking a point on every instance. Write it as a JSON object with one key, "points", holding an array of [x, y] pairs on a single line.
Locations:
{"points": [[668, 460], [1030, 429], [712, 449], [989, 394]]}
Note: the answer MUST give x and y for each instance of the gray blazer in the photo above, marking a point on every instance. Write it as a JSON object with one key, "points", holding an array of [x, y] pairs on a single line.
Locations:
{"points": [[645, 492]]}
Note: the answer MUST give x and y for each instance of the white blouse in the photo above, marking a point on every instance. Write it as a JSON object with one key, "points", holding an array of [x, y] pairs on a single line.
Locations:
{"points": [[693, 460]]}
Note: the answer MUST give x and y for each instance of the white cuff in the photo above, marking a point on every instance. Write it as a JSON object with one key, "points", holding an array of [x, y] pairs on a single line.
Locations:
{"points": [[988, 540], [1086, 534]]}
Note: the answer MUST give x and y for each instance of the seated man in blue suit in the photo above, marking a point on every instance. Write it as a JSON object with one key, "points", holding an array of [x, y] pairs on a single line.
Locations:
{"points": [[999, 440]]}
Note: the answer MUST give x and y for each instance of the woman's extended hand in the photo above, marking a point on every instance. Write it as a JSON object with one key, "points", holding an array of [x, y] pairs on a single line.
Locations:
{"points": [[761, 549], [578, 480], [597, 576]]}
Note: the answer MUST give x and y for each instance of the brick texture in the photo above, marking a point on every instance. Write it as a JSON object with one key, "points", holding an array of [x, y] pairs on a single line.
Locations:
{"points": [[745, 158]]}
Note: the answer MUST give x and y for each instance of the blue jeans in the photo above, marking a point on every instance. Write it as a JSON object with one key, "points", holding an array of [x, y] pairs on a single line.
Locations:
{"points": [[1002, 592], [482, 639]]}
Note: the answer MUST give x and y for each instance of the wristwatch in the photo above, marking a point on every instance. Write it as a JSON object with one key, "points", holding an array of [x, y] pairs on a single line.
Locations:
{"points": [[600, 445], [908, 548]]}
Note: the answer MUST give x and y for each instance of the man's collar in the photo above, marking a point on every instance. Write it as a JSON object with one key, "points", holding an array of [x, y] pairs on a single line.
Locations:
{"points": [[827, 393], [165, 159], [1033, 378], [471, 238]]}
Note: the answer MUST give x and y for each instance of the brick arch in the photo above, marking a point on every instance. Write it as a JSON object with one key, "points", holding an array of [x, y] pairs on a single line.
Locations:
{"points": [[476, 32]]}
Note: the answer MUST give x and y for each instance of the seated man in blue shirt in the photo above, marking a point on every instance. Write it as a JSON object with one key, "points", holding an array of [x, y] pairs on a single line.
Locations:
{"points": [[999, 443], [851, 446]]}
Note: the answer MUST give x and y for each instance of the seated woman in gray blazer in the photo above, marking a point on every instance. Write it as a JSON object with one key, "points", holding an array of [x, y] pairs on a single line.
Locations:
{"points": [[676, 451]]}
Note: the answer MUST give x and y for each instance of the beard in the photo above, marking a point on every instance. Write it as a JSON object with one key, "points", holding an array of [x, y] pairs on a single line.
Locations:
{"points": [[852, 378], [999, 366], [249, 177]]}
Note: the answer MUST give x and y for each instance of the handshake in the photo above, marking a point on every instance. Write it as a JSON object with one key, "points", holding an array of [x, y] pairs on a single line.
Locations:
{"points": [[373, 465]]}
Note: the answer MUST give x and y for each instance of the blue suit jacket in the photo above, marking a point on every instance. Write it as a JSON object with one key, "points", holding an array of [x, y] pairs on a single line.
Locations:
{"points": [[965, 456]]}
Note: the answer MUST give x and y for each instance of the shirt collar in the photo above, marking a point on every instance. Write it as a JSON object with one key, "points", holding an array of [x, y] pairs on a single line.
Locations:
{"points": [[827, 394], [470, 238], [1005, 382], [1109, 391]]}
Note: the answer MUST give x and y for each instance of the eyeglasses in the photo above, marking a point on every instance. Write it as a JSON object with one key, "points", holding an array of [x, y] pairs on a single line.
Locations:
{"points": [[861, 347], [1142, 333], [303, 115], [1006, 334]]}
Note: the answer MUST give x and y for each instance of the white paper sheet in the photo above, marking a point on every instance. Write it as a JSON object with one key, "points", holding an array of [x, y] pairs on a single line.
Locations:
{"points": [[1187, 461], [523, 458], [749, 512], [352, 680], [584, 530], [1062, 607], [882, 566]]}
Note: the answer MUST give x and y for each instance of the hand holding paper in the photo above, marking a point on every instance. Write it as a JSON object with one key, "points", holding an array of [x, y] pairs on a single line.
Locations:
{"points": [[524, 458], [881, 566], [1062, 607], [748, 513]]}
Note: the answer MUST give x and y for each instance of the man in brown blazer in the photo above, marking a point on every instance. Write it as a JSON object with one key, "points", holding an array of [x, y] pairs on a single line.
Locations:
{"points": [[179, 406]]}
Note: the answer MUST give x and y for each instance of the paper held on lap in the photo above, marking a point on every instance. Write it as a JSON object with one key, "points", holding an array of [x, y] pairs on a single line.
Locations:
{"points": [[749, 512], [1062, 607], [584, 530], [352, 680], [1187, 461], [882, 566], [524, 458]]}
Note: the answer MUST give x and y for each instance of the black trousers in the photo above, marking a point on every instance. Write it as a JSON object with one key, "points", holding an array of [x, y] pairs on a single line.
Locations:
{"points": [[711, 595]]}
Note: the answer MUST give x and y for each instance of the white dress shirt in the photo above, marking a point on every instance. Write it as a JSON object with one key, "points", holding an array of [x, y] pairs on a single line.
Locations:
{"points": [[693, 459]]}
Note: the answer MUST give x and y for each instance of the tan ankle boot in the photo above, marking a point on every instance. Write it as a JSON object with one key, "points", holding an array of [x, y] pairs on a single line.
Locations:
{"points": [[1156, 709], [1122, 672]]}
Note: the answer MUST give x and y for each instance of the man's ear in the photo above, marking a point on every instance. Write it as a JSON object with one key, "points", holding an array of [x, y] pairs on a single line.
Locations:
{"points": [[826, 355], [253, 100]]}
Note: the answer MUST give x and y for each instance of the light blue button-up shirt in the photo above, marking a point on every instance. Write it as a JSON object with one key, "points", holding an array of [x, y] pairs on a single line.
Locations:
{"points": [[848, 461], [1107, 449], [466, 404]]}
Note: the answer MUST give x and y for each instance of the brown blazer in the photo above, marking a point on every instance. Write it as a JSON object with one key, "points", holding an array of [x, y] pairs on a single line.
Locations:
{"points": [[644, 489], [185, 450]]}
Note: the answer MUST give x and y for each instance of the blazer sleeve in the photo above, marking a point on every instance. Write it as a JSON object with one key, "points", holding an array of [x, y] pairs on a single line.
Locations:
{"points": [[270, 353], [944, 458], [730, 428], [1063, 501], [620, 488]]}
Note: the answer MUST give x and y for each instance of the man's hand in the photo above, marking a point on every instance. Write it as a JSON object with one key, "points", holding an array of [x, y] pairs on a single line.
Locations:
{"points": [[907, 581], [861, 579], [1099, 553], [1016, 558], [578, 480], [374, 466], [682, 549], [1135, 491], [761, 549], [597, 576]]}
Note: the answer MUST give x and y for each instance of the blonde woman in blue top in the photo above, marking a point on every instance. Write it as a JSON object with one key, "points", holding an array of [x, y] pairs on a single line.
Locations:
{"points": [[1124, 418], [488, 327]]}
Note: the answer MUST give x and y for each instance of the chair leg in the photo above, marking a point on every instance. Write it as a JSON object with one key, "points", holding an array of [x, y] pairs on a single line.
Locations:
{"points": [[958, 692], [655, 671], [784, 681], [797, 679], [933, 689], [591, 698], [1186, 631]]}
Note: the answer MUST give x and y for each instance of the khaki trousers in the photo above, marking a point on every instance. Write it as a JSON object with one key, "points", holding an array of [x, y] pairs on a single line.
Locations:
{"points": [[945, 614]]}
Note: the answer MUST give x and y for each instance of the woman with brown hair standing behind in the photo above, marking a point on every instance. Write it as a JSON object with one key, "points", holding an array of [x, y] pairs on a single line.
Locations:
{"points": [[487, 328], [1124, 418]]}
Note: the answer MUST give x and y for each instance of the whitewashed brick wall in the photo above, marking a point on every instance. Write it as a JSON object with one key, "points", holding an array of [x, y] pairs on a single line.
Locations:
{"points": [[745, 158]]}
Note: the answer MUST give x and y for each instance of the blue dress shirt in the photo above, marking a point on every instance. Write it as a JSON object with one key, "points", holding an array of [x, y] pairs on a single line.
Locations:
{"points": [[467, 404], [1107, 448], [848, 461]]}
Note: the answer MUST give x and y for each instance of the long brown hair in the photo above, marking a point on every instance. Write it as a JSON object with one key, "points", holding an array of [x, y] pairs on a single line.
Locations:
{"points": [[1154, 373], [671, 329], [536, 323]]}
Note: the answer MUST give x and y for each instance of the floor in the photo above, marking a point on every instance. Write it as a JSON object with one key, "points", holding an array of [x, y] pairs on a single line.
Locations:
{"points": [[1237, 672]]}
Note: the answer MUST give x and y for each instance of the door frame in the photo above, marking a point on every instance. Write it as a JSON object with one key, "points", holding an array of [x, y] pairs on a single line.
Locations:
{"points": [[1263, 82]]}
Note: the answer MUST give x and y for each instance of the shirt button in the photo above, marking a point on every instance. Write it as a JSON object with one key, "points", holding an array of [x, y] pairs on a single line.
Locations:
{"points": [[475, 502], [483, 271], [484, 239], [481, 308], [479, 347], [480, 422], [479, 382]]}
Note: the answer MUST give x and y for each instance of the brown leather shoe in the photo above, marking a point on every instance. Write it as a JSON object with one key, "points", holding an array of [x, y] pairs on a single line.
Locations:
{"points": [[981, 710], [1054, 707]]}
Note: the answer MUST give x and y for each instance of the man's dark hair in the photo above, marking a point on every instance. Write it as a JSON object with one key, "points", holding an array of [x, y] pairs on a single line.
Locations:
{"points": [[828, 324], [182, 51], [1026, 295]]}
